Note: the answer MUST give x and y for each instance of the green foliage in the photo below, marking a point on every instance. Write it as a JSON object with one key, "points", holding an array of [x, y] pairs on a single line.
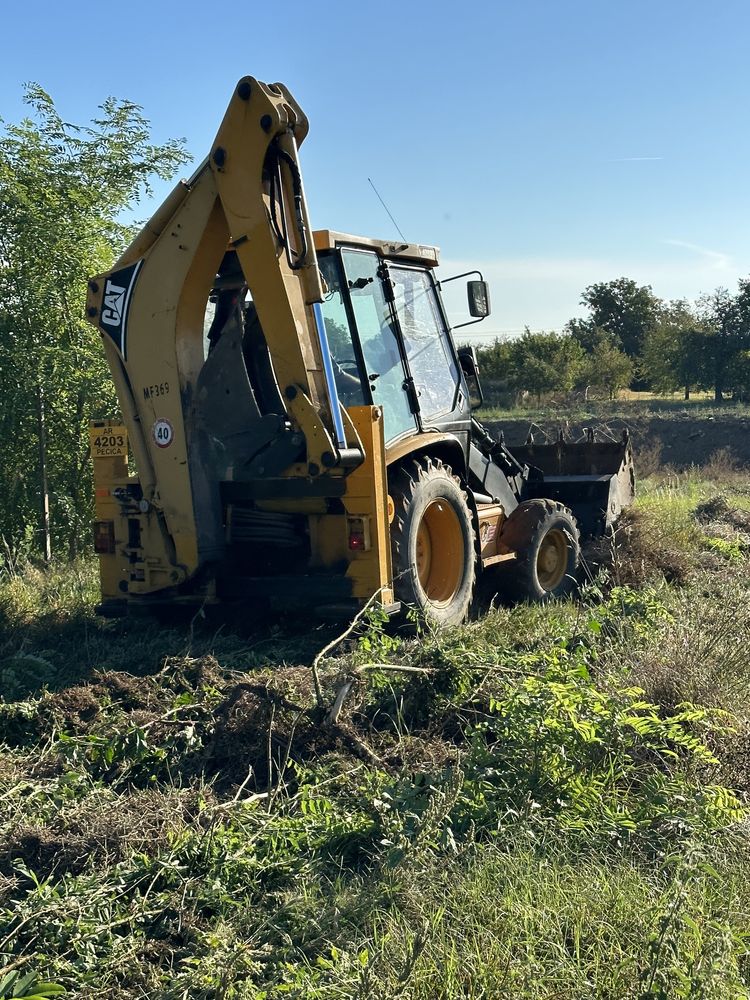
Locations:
{"points": [[624, 309], [705, 347], [593, 759], [27, 986], [607, 367], [537, 363], [688, 957], [673, 348], [725, 340], [641, 610], [376, 641], [589, 335], [633, 338], [63, 190], [533, 805], [556, 748], [545, 362], [729, 549]]}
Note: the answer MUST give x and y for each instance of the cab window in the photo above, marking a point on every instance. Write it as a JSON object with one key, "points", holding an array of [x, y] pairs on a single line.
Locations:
{"points": [[349, 379], [428, 351], [379, 342]]}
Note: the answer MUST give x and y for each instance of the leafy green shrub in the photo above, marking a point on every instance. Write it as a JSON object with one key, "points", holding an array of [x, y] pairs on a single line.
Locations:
{"points": [[556, 749], [20, 675], [599, 761], [730, 550], [638, 611], [690, 955], [17, 985]]}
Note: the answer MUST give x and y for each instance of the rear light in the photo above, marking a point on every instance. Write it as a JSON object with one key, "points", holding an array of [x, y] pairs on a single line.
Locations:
{"points": [[104, 538], [356, 541], [359, 534]]}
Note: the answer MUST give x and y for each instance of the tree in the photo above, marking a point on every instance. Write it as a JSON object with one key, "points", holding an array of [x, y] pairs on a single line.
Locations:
{"points": [[673, 355], [544, 362], [63, 189], [607, 367], [495, 360], [724, 339], [625, 310], [589, 335]]}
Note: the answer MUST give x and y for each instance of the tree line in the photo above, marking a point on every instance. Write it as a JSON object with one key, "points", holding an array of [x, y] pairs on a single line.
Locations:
{"points": [[632, 338], [63, 191]]}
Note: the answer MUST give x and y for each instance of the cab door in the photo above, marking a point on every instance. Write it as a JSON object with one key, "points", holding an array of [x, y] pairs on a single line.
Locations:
{"points": [[382, 351], [430, 358]]}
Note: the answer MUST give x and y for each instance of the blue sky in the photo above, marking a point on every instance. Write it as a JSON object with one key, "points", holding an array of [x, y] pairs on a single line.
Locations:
{"points": [[551, 144]]}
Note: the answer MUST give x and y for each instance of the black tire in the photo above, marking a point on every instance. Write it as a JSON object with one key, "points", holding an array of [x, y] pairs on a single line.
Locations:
{"points": [[432, 541], [545, 535]]}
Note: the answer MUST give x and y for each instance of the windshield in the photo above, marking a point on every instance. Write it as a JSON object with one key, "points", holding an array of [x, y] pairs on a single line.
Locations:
{"points": [[428, 352]]}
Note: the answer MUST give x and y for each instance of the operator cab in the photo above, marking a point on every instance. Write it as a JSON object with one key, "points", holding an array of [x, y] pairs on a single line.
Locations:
{"points": [[388, 333]]}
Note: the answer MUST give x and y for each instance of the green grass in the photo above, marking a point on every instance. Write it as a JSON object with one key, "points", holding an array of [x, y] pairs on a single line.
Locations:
{"points": [[577, 410], [548, 803], [51, 637]]}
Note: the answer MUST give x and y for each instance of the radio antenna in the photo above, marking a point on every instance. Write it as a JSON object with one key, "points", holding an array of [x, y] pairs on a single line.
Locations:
{"points": [[387, 210]]}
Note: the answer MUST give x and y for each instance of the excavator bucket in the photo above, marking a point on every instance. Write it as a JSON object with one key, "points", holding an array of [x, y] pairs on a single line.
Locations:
{"points": [[594, 479]]}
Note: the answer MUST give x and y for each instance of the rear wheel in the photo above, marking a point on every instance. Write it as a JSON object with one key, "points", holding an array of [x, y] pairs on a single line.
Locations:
{"points": [[432, 541], [545, 536]]}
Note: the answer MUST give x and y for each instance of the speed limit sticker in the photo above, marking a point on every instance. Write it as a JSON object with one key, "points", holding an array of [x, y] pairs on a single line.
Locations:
{"points": [[163, 433]]}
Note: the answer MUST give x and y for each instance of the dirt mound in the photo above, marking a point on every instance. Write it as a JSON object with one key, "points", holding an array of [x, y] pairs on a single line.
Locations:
{"points": [[680, 441], [192, 721], [718, 509], [638, 552], [102, 828]]}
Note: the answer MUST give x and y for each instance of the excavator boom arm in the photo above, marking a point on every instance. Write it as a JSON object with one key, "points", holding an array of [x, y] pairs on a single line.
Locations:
{"points": [[193, 420]]}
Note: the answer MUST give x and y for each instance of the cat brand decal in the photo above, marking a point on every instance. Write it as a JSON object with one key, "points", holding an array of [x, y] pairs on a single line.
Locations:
{"points": [[115, 302]]}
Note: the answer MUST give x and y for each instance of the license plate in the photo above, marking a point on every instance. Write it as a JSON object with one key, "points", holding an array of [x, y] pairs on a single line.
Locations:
{"points": [[108, 441]]}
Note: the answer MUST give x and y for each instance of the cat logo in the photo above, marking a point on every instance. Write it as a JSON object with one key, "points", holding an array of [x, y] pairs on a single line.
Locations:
{"points": [[114, 300], [114, 315]]}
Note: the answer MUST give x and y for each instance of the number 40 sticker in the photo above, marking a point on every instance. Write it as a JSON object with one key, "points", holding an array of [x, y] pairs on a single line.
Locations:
{"points": [[163, 433]]}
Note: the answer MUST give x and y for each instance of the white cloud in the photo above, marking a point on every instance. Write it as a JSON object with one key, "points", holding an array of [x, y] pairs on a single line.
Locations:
{"points": [[718, 260], [545, 292]]}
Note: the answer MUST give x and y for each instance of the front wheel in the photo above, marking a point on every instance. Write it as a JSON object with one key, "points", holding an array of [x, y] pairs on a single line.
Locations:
{"points": [[432, 541], [545, 536]]}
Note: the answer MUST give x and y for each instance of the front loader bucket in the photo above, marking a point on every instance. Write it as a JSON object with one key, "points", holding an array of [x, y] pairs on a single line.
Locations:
{"points": [[594, 479]]}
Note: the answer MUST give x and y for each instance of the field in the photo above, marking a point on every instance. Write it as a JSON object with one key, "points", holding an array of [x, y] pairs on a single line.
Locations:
{"points": [[548, 802], [665, 432]]}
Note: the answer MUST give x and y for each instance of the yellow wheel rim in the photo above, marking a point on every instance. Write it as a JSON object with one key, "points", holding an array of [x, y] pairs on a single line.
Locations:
{"points": [[440, 552], [552, 559]]}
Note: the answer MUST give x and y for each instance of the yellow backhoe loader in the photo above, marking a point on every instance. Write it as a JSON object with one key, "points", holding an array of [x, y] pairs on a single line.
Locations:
{"points": [[299, 417]]}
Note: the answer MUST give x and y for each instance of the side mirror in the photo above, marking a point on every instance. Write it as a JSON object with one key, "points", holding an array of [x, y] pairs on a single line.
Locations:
{"points": [[479, 298], [467, 357]]}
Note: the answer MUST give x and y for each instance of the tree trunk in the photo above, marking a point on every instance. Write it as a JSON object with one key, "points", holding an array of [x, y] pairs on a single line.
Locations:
{"points": [[687, 392], [79, 476], [44, 506]]}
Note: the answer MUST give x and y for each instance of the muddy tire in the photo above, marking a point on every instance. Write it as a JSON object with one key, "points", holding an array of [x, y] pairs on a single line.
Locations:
{"points": [[545, 536], [432, 541]]}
